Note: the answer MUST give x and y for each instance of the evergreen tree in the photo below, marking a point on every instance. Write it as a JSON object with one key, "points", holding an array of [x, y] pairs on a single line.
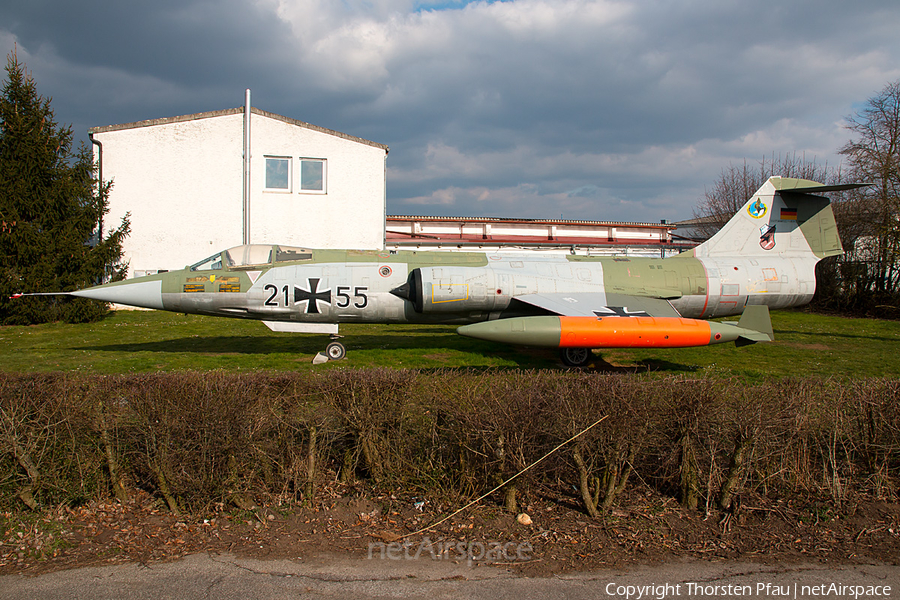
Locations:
{"points": [[51, 209]]}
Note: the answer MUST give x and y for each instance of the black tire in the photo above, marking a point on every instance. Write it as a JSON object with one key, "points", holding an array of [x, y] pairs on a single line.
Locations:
{"points": [[335, 351], [576, 357]]}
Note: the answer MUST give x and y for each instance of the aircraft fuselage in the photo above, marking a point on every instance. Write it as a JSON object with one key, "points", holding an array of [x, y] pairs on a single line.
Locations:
{"points": [[763, 257], [330, 286]]}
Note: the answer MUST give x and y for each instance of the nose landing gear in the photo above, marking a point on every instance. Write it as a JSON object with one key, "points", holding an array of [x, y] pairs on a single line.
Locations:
{"points": [[335, 351]]}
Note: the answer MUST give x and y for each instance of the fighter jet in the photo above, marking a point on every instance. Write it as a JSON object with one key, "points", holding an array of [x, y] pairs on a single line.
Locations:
{"points": [[764, 257]]}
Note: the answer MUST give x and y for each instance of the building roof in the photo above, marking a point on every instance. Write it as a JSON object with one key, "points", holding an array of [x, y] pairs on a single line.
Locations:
{"points": [[505, 220], [234, 111], [546, 233]]}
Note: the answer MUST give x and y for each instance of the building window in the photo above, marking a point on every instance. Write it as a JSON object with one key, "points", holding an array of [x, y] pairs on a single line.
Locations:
{"points": [[312, 175], [278, 173]]}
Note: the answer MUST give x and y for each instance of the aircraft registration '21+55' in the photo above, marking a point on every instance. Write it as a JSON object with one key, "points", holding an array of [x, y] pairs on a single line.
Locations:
{"points": [[764, 257]]}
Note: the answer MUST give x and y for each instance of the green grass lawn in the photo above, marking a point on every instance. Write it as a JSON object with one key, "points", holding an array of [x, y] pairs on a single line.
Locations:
{"points": [[146, 341]]}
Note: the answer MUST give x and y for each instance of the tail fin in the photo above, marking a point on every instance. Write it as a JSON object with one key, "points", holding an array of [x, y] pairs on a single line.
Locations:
{"points": [[785, 217]]}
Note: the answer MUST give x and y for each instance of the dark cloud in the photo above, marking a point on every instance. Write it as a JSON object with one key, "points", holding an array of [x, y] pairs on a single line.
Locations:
{"points": [[197, 43], [607, 110]]}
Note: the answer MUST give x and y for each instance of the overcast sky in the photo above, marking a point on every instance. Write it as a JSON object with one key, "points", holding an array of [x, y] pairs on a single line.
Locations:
{"points": [[583, 109]]}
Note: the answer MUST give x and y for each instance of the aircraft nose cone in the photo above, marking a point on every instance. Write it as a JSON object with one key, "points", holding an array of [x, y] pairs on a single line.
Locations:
{"points": [[144, 294]]}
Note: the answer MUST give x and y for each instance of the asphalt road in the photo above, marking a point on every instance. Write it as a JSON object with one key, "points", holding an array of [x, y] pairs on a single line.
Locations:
{"points": [[225, 577]]}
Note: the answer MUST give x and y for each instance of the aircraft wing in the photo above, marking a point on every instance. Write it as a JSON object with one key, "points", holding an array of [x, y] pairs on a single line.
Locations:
{"points": [[594, 304]]}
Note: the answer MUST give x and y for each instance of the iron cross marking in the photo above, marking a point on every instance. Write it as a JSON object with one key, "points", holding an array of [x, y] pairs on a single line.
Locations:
{"points": [[619, 311], [312, 297]]}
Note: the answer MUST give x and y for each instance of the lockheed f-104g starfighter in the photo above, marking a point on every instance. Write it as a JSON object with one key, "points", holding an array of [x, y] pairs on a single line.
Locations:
{"points": [[764, 257]]}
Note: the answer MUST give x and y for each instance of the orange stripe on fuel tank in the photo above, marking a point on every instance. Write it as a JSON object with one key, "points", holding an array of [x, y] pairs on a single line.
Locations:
{"points": [[632, 332]]}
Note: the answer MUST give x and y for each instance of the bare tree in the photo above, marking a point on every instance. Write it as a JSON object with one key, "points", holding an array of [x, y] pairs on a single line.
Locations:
{"points": [[738, 183], [874, 155]]}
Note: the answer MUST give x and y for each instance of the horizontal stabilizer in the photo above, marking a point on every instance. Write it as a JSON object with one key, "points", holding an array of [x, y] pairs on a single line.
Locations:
{"points": [[804, 186]]}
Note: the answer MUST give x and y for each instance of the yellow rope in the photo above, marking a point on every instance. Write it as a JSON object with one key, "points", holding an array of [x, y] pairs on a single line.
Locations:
{"points": [[482, 497]]}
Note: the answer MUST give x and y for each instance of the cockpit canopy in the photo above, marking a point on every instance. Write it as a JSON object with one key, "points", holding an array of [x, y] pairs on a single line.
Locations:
{"points": [[251, 255]]}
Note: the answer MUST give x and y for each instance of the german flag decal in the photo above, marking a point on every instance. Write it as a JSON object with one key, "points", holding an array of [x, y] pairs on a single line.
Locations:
{"points": [[789, 214]]}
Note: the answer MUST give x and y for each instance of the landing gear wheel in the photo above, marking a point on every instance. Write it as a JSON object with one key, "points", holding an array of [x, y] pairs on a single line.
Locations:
{"points": [[576, 357], [335, 351]]}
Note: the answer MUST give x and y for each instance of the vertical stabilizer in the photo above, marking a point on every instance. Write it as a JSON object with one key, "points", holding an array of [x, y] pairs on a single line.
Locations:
{"points": [[786, 218]]}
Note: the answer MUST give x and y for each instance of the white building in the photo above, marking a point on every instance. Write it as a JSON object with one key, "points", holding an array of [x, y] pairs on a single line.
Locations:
{"points": [[181, 179]]}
